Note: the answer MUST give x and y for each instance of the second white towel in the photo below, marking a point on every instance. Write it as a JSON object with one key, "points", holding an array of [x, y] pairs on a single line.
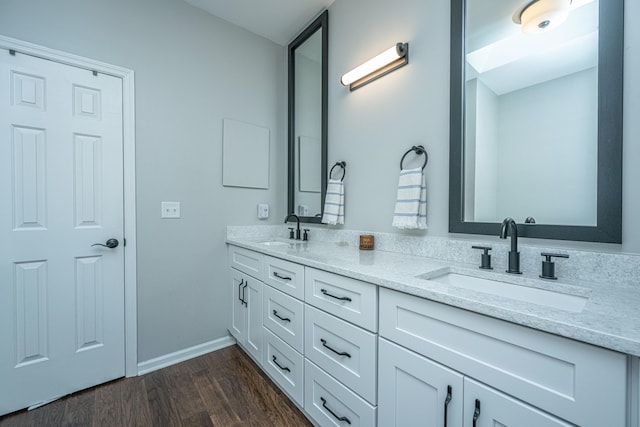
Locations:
{"points": [[334, 203], [411, 202]]}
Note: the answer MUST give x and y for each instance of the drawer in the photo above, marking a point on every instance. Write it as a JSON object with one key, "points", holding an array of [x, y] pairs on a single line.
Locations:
{"points": [[330, 403], [343, 350], [285, 365], [249, 262], [285, 276], [284, 316], [349, 299], [565, 377]]}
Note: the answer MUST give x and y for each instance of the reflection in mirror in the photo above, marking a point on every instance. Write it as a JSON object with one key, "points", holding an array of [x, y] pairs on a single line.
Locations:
{"points": [[307, 121], [531, 136]]}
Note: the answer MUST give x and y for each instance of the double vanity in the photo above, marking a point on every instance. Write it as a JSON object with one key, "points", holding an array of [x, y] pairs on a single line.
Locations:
{"points": [[384, 338]]}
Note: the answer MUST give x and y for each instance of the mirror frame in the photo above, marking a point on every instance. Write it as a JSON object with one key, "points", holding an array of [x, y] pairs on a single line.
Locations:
{"points": [[610, 92], [322, 22]]}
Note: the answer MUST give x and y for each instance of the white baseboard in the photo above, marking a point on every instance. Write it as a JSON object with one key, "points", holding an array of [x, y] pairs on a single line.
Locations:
{"points": [[182, 355]]}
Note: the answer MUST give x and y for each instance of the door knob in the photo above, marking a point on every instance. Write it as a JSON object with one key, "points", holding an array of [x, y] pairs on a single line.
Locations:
{"points": [[111, 243]]}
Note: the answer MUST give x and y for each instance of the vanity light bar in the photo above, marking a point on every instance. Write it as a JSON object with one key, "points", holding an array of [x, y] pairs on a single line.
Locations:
{"points": [[388, 61]]}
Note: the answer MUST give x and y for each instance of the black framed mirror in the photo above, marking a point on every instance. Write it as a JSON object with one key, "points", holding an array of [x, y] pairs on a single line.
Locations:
{"points": [[536, 121], [307, 121]]}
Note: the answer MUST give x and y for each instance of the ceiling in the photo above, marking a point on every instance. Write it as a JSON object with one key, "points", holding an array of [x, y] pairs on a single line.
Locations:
{"points": [[277, 20]]}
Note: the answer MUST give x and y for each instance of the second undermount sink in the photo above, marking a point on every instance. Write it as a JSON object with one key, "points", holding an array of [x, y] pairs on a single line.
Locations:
{"points": [[275, 243], [573, 301]]}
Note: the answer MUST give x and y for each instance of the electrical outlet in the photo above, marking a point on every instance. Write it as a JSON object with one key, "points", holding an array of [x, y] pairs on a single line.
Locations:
{"points": [[263, 210], [170, 210]]}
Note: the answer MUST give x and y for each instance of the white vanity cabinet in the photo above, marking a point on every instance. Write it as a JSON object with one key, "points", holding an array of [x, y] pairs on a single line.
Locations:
{"points": [[416, 391], [420, 392], [350, 353], [246, 316], [283, 319], [572, 381]]}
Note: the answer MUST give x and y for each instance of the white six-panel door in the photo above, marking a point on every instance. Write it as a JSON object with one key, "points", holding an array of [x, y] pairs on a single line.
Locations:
{"points": [[61, 190]]}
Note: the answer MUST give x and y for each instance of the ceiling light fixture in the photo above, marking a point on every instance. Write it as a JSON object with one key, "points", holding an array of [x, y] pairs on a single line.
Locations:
{"points": [[388, 61], [542, 15]]}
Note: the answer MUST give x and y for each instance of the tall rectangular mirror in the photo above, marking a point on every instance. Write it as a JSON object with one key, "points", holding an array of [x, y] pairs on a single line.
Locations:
{"points": [[307, 125], [536, 117]]}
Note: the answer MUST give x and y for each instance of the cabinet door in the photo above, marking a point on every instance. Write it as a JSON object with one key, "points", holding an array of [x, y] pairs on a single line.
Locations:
{"points": [[253, 298], [238, 313], [413, 390], [497, 409]]}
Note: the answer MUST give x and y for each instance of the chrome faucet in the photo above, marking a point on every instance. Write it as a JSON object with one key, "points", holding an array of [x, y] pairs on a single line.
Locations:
{"points": [[509, 227], [297, 229]]}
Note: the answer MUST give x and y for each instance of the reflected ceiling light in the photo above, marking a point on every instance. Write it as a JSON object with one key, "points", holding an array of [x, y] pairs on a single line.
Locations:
{"points": [[388, 61], [542, 15]]}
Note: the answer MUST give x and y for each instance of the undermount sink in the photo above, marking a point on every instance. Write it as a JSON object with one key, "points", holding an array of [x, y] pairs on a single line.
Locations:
{"points": [[275, 243], [281, 242], [544, 297]]}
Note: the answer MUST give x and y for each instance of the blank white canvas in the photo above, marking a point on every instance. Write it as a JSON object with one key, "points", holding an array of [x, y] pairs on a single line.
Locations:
{"points": [[245, 155]]}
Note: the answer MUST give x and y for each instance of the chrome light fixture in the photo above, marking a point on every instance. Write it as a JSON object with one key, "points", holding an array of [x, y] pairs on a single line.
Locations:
{"points": [[384, 63], [542, 15]]}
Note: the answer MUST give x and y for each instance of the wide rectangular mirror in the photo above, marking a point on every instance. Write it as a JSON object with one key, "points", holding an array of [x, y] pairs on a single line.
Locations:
{"points": [[308, 121], [536, 117]]}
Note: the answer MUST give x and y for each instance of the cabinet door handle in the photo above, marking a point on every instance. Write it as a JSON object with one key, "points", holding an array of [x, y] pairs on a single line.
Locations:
{"points": [[275, 273], [476, 413], [284, 368], [324, 405], [446, 404], [244, 301], [240, 290], [324, 291], [339, 353], [284, 319]]}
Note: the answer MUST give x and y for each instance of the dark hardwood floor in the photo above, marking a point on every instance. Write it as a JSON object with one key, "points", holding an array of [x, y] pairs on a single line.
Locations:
{"points": [[223, 388]]}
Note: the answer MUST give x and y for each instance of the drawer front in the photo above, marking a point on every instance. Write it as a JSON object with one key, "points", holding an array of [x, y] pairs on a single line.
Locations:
{"points": [[249, 262], [349, 299], [285, 276], [575, 381], [285, 365], [331, 404], [284, 316], [343, 350]]}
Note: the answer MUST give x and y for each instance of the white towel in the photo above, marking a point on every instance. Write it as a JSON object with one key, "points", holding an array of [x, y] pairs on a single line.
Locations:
{"points": [[334, 203], [411, 203]]}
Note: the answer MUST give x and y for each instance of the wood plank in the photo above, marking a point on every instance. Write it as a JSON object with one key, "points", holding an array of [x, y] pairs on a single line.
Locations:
{"points": [[222, 389]]}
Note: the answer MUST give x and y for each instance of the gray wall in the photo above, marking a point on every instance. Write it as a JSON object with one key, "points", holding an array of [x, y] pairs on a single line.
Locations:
{"points": [[192, 70], [372, 127]]}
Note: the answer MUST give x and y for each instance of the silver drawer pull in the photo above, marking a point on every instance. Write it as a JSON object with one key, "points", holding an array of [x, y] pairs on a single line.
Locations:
{"points": [[284, 319], [339, 353], [325, 292], [324, 405], [284, 368], [275, 273]]}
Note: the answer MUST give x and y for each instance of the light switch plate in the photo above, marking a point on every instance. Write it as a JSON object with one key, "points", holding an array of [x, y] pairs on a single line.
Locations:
{"points": [[263, 210], [170, 210]]}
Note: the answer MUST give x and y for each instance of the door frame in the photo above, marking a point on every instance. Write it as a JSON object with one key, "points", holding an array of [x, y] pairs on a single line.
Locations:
{"points": [[128, 136]]}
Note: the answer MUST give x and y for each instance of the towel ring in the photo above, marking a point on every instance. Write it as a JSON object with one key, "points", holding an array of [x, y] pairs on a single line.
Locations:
{"points": [[343, 165], [419, 149]]}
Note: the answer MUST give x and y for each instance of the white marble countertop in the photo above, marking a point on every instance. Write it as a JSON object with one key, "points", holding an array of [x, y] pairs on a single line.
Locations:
{"points": [[610, 318]]}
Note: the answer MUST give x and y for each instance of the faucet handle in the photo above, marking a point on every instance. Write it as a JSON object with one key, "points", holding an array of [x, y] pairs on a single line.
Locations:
{"points": [[291, 232], [305, 236], [549, 267], [485, 258]]}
